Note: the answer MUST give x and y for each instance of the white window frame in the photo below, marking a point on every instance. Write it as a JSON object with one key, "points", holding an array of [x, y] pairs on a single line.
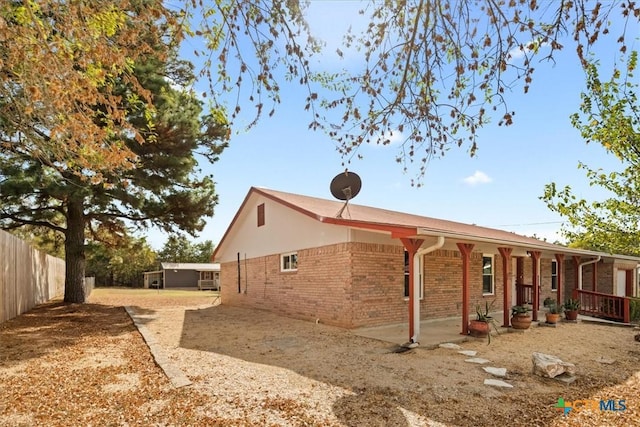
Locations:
{"points": [[492, 275], [289, 255], [553, 261], [418, 267]]}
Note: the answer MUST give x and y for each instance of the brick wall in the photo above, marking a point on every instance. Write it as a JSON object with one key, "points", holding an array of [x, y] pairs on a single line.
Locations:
{"points": [[605, 277], [319, 289], [362, 284], [378, 284]]}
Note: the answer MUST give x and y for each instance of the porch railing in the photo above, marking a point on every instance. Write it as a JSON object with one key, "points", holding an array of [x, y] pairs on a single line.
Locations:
{"points": [[601, 305], [524, 294], [208, 284]]}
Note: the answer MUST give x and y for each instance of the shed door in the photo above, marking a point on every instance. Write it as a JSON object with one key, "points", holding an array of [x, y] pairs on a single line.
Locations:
{"points": [[621, 283]]}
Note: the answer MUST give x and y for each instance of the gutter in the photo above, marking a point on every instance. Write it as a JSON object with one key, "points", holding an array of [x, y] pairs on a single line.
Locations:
{"points": [[416, 286], [592, 261]]}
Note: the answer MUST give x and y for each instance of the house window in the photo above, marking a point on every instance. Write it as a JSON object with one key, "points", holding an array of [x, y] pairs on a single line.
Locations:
{"points": [[406, 275], [487, 274], [261, 215], [289, 262], [554, 275]]}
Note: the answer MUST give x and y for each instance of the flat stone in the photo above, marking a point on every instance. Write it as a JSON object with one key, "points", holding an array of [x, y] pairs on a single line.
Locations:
{"points": [[548, 325], [497, 383], [605, 360], [520, 331], [566, 378], [450, 345], [478, 360], [470, 353], [497, 372], [550, 366]]}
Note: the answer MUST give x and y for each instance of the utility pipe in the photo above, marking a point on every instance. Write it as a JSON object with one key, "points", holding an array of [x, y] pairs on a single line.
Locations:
{"points": [[416, 285], [591, 261]]}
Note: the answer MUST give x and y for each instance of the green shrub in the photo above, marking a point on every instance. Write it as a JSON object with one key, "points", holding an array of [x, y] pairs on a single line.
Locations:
{"points": [[634, 309]]}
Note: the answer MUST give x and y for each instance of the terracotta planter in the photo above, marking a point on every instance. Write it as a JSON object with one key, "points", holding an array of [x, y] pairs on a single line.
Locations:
{"points": [[478, 329], [571, 314], [552, 317], [520, 321]]}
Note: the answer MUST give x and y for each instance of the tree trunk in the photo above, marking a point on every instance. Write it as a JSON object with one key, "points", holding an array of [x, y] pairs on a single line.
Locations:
{"points": [[74, 290]]}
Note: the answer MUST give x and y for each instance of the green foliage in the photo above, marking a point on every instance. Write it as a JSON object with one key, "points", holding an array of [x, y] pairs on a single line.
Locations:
{"points": [[610, 116], [519, 309], [120, 265], [634, 309], [483, 314], [431, 73], [553, 307], [165, 188], [571, 304], [180, 249]]}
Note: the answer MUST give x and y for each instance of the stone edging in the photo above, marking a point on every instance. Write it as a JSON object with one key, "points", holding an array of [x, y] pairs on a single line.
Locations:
{"points": [[175, 375]]}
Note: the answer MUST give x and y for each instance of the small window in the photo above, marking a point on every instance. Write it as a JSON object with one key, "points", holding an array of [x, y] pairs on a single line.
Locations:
{"points": [[406, 276], [554, 275], [487, 274], [261, 215], [289, 262]]}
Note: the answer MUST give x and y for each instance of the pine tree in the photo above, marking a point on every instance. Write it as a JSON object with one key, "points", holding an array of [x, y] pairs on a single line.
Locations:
{"points": [[165, 188]]}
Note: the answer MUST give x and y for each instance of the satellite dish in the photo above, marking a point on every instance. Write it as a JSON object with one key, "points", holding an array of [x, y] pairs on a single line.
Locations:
{"points": [[345, 186]]}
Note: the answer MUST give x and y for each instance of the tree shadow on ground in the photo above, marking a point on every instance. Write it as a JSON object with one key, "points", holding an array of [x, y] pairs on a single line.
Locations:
{"points": [[55, 325]]}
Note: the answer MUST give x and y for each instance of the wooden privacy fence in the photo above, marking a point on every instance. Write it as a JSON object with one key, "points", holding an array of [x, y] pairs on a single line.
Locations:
{"points": [[28, 277]]}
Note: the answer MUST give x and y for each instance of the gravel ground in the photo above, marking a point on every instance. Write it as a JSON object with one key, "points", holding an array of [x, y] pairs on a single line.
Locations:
{"points": [[84, 365]]}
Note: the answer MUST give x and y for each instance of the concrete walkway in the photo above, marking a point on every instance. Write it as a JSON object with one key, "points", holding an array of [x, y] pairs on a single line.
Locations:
{"points": [[176, 376]]}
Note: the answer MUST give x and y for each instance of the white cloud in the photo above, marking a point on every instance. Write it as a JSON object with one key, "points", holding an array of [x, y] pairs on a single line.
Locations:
{"points": [[531, 48], [478, 177]]}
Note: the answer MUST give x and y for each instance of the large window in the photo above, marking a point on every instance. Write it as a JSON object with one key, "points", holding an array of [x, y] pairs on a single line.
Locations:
{"points": [[289, 262], [419, 268], [554, 275], [487, 275]]}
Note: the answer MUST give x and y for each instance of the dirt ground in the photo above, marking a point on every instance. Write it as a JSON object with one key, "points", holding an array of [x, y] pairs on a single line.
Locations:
{"points": [[83, 365]]}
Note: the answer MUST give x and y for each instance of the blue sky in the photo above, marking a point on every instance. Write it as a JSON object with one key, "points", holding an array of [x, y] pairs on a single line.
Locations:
{"points": [[499, 187]]}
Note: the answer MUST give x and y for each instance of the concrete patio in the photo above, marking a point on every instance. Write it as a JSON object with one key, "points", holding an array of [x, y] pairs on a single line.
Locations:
{"points": [[438, 331]]}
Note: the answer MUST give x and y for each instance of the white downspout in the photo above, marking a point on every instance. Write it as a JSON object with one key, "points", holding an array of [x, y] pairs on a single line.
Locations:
{"points": [[416, 285], [591, 261]]}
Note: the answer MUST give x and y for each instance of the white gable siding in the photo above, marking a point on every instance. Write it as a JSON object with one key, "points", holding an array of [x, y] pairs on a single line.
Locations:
{"points": [[285, 230]]}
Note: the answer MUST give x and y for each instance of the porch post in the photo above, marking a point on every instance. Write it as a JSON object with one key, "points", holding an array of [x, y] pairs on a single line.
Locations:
{"points": [[465, 251], [535, 259], [412, 246], [506, 285], [560, 278], [594, 276], [576, 272]]}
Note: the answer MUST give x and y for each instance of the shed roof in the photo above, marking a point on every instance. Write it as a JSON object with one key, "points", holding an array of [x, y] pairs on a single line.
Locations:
{"points": [[401, 224], [209, 266]]}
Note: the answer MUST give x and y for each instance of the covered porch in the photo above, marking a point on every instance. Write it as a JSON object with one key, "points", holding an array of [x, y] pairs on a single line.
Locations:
{"points": [[519, 287], [439, 331]]}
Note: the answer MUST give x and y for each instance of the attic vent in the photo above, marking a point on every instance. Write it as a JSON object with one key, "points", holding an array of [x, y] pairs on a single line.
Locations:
{"points": [[261, 215]]}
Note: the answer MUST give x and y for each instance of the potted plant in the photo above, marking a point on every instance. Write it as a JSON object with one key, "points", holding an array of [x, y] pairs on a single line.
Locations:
{"points": [[520, 318], [571, 308], [548, 301], [481, 327], [553, 312]]}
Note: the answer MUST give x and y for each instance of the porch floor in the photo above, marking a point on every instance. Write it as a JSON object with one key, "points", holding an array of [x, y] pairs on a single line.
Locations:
{"points": [[438, 331]]}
